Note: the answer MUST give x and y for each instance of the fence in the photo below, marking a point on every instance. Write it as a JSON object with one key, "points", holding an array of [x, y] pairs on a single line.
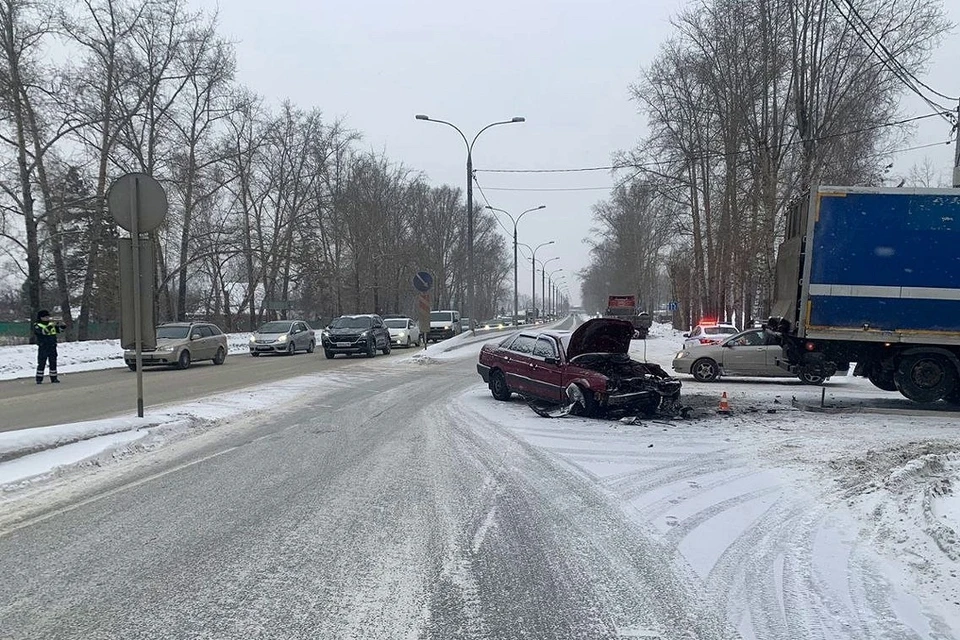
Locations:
{"points": [[20, 332]]}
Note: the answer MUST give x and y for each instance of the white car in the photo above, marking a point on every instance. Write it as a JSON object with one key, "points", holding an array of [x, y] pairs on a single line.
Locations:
{"points": [[749, 353], [404, 332], [708, 333]]}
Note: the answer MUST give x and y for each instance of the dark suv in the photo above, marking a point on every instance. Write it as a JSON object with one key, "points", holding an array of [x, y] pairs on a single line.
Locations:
{"points": [[364, 334]]}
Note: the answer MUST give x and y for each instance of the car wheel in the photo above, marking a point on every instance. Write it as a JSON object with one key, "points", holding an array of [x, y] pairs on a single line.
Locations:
{"points": [[409, 342], [925, 377], [291, 349], [705, 370], [810, 378], [312, 347], [132, 366], [498, 386], [220, 357], [183, 362], [584, 402], [329, 354], [386, 349], [371, 348]]}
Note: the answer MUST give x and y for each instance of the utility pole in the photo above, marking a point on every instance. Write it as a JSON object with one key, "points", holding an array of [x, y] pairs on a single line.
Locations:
{"points": [[956, 149]]}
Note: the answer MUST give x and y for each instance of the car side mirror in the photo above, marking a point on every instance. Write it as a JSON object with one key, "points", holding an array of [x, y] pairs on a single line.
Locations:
{"points": [[551, 360], [195, 336], [686, 335]]}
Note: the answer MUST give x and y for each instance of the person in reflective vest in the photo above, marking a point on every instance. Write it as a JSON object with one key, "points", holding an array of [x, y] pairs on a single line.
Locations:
{"points": [[46, 331]]}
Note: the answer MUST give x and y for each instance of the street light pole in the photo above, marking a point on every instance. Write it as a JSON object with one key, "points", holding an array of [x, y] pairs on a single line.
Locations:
{"points": [[533, 280], [550, 281], [469, 145], [543, 281], [515, 276]]}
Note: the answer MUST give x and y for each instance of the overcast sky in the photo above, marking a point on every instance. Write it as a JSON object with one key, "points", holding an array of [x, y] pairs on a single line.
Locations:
{"points": [[564, 65]]}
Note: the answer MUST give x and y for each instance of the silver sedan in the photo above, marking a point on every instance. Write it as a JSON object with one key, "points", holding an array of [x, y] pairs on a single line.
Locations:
{"points": [[748, 353]]}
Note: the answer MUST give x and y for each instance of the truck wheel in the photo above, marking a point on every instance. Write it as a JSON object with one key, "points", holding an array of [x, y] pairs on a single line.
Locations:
{"points": [[925, 377], [705, 370], [882, 378], [498, 386]]}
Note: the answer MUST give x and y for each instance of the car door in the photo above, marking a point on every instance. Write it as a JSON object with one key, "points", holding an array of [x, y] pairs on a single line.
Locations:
{"points": [[381, 334], [303, 336], [774, 353], [745, 354], [546, 377], [517, 363], [206, 346]]}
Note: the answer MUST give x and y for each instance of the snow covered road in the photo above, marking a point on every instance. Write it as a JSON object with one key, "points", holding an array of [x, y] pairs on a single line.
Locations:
{"points": [[402, 501]]}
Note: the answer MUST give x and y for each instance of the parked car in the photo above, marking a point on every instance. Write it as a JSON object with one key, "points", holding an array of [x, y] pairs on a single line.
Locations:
{"points": [[443, 324], [497, 323], [591, 364], [283, 336], [363, 333], [404, 332], [709, 333], [181, 344], [753, 352], [466, 324]]}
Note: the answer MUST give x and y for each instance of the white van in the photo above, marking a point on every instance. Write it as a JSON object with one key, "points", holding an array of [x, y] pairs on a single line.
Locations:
{"points": [[444, 324]]}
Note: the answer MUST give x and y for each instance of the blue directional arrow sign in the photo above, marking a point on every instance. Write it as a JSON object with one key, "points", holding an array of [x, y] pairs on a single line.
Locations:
{"points": [[423, 281]]}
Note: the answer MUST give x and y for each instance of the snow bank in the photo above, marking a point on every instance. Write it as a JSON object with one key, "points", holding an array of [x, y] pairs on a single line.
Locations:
{"points": [[20, 361]]}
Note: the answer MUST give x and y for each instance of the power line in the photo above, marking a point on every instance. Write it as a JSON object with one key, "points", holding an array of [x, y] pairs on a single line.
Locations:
{"points": [[890, 62], [612, 187], [893, 58], [939, 113]]}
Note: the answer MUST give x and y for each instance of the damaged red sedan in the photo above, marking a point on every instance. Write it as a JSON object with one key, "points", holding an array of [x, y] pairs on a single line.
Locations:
{"points": [[589, 370]]}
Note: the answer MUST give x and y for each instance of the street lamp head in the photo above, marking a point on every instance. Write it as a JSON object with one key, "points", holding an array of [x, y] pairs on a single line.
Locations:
{"points": [[518, 119], [420, 116], [543, 206]]}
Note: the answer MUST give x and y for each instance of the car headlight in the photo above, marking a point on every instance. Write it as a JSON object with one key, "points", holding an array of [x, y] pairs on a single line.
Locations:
{"points": [[164, 349], [365, 334], [446, 327], [281, 339], [403, 334], [681, 354], [253, 339]]}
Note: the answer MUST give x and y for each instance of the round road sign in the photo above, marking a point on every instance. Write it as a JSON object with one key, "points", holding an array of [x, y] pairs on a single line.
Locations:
{"points": [[422, 281], [151, 203]]}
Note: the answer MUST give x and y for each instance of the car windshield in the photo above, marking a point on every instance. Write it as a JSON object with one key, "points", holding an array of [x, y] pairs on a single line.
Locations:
{"points": [[441, 316], [275, 327], [396, 323], [352, 322], [172, 333]]}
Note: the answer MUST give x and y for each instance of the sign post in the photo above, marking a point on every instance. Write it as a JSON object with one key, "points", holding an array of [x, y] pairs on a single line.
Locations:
{"points": [[423, 282], [138, 204]]}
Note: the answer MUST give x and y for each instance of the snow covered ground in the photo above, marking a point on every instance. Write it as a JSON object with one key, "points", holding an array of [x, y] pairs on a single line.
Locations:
{"points": [[850, 519]]}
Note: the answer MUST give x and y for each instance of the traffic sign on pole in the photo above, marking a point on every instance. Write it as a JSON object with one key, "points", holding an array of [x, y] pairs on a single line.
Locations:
{"points": [[423, 281], [137, 203]]}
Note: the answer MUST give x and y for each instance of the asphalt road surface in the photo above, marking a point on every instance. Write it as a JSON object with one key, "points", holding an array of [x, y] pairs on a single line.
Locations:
{"points": [[109, 392], [367, 512]]}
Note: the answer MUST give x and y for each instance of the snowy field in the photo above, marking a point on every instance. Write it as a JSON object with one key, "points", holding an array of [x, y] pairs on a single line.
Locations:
{"points": [[838, 513]]}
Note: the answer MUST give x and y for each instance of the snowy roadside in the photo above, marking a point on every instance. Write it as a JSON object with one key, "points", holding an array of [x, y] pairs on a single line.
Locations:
{"points": [[20, 361]]}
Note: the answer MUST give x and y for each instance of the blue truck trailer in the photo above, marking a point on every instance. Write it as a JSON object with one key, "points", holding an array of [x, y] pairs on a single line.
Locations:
{"points": [[872, 276]]}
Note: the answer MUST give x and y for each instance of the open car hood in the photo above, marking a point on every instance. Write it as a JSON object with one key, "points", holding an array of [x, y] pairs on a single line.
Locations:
{"points": [[600, 335]]}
